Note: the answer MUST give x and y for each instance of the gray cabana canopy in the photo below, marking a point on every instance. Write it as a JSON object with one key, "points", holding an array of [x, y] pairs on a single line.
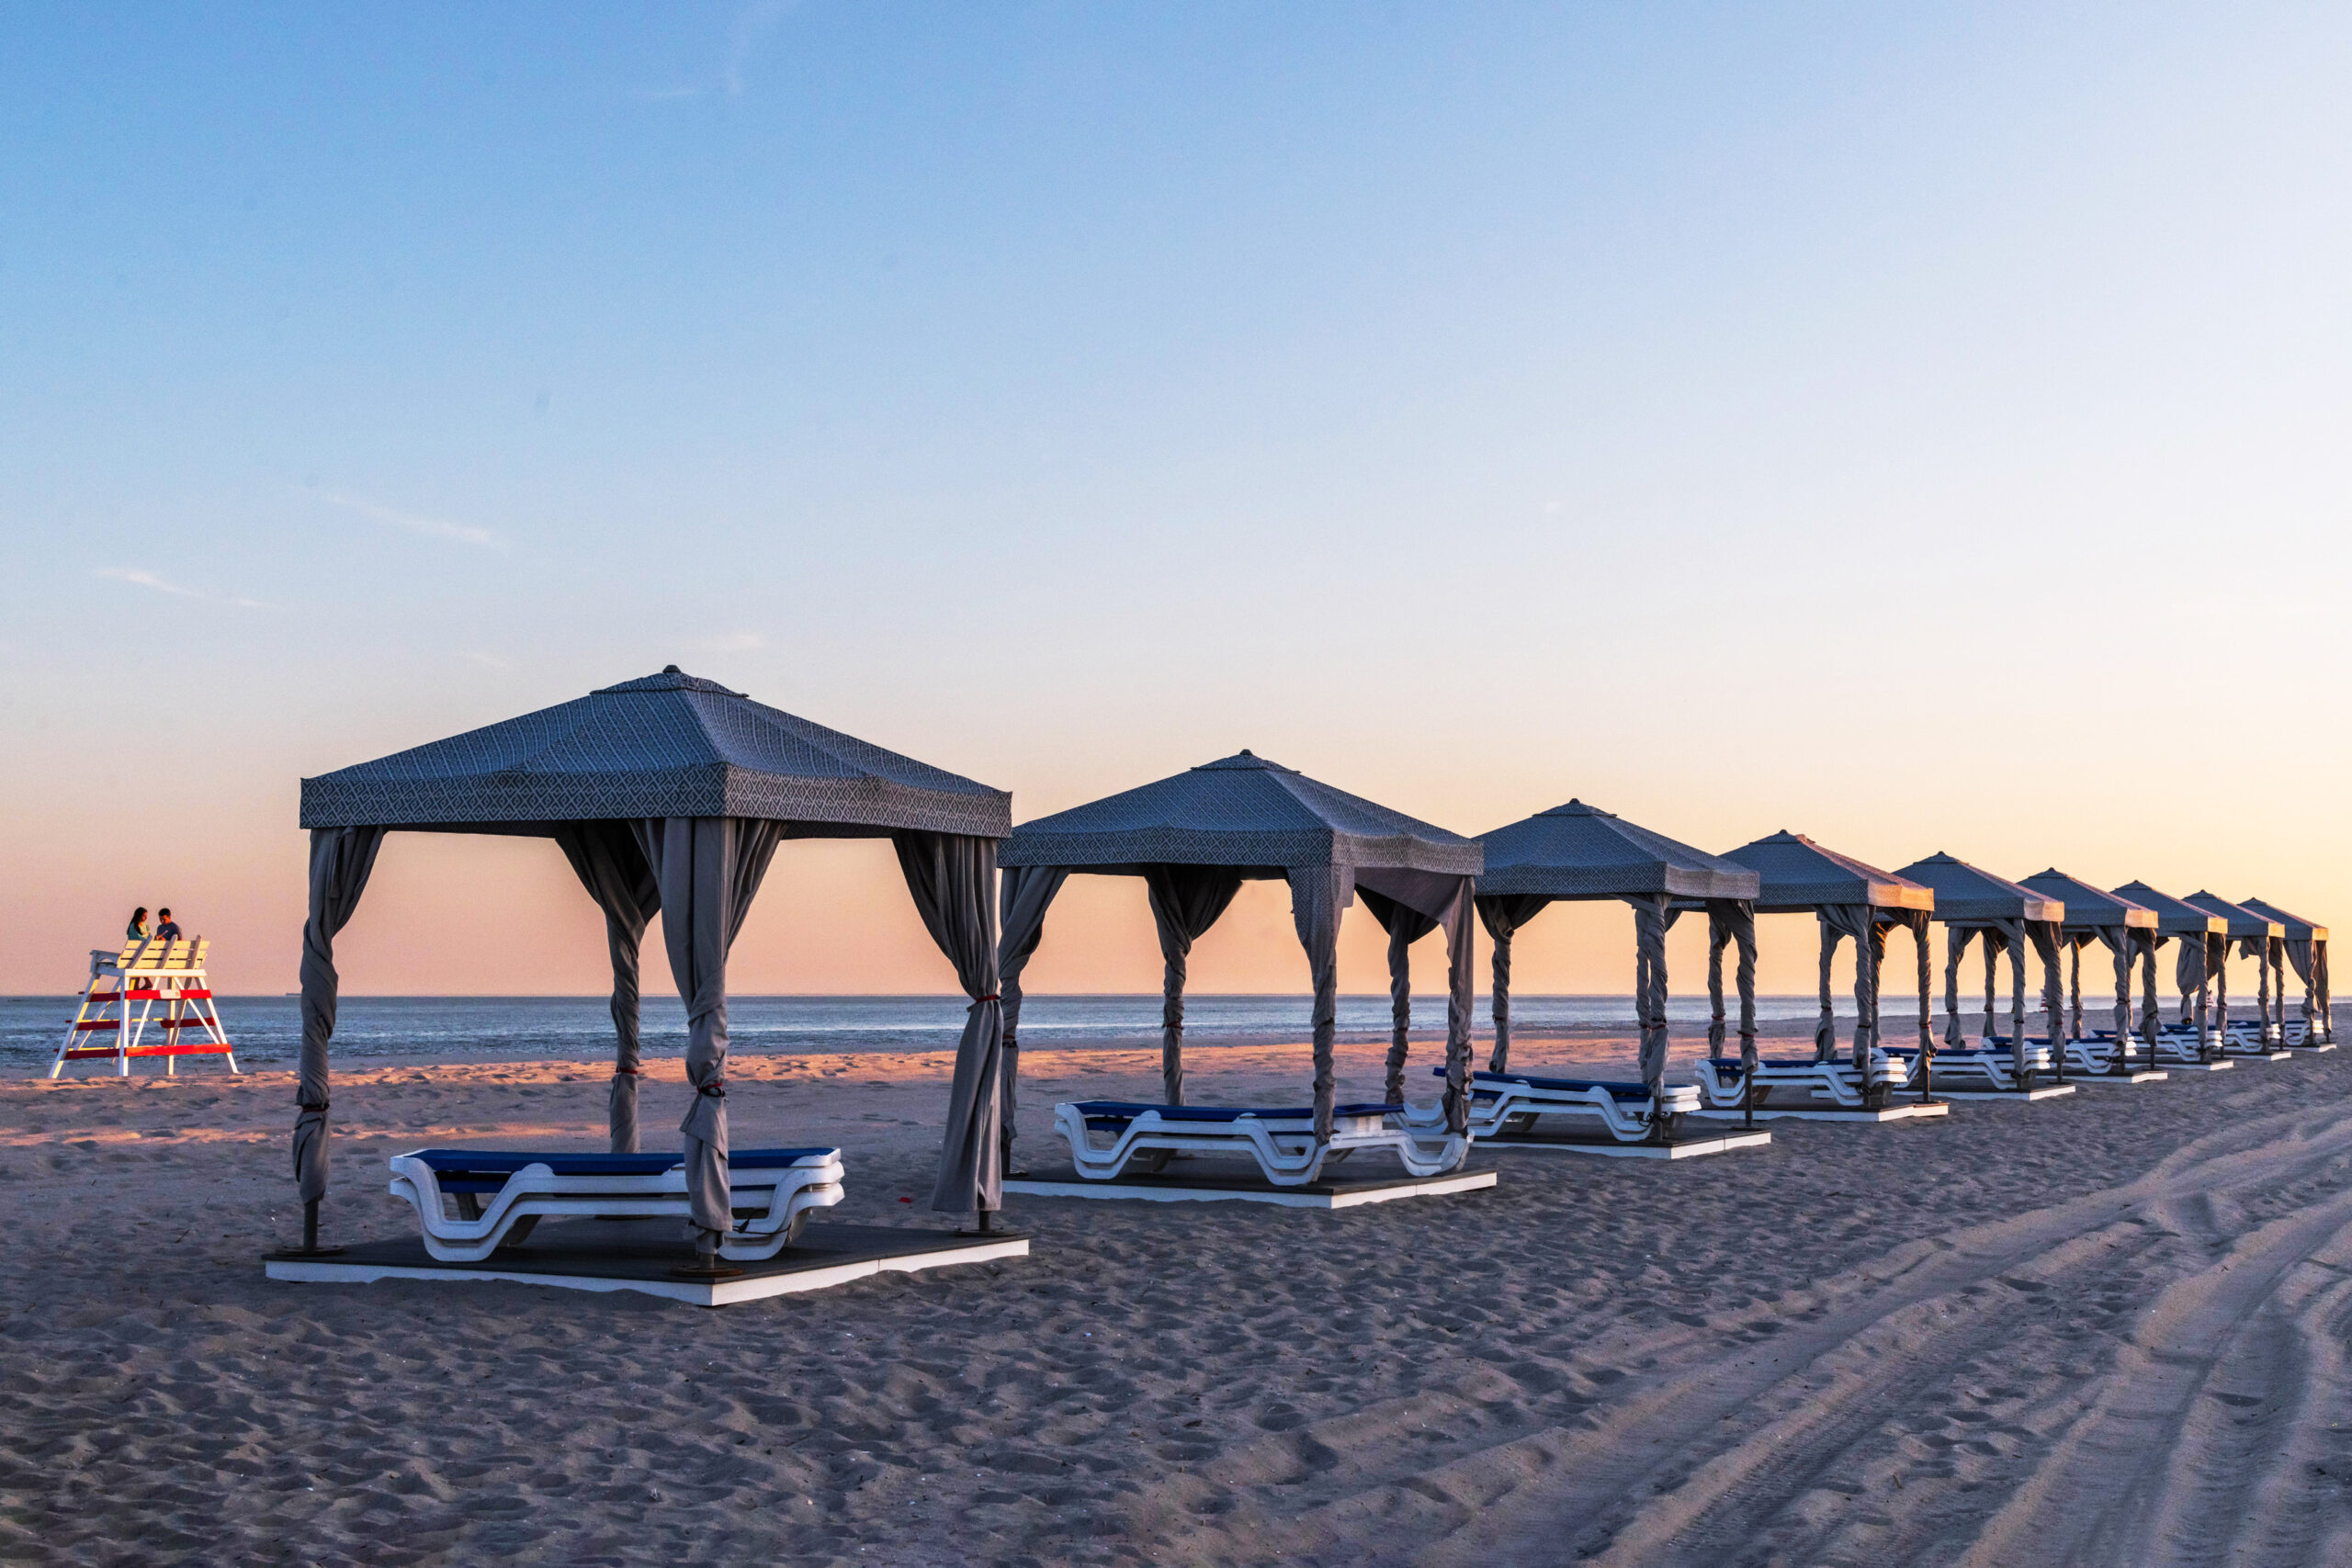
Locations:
{"points": [[1196, 837], [2124, 928], [2306, 943], [669, 795], [2201, 935], [1849, 899], [1578, 851], [2260, 938], [2005, 916]]}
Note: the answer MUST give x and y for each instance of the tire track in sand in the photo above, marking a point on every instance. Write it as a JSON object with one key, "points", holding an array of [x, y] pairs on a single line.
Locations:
{"points": [[1979, 1397]]}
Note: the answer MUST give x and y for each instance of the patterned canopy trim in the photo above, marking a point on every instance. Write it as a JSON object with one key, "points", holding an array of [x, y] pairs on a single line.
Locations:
{"points": [[1580, 851], [668, 745], [2243, 921], [1798, 874], [2173, 914], [1240, 810], [1966, 895], [2088, 907]]}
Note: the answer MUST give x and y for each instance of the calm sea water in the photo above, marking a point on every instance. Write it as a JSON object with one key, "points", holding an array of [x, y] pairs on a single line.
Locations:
{"points": [[267, 1029]]}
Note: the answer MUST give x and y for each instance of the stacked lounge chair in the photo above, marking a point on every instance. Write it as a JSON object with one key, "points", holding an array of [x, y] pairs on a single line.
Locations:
{"points": [[470, 1203]]}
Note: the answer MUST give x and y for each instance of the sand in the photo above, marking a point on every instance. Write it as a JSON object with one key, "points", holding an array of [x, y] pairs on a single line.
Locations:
{"points": [[2107, 1329]]}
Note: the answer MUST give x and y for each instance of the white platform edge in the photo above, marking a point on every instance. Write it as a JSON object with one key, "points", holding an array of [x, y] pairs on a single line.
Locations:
{"points": [[2043, 1092], [1890, 1113], [2137, 1075], [1435, 1186], [718, 1294], [2278, 1055], [2311, 1050], [2223, 1066], [1689, 1148]]}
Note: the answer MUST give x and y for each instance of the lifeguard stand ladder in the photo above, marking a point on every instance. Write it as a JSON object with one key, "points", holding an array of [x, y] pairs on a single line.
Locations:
{"points": [[122, 996]]}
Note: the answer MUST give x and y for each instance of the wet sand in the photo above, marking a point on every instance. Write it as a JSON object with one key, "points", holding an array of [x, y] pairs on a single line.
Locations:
{"points": [[2105, 1329]]}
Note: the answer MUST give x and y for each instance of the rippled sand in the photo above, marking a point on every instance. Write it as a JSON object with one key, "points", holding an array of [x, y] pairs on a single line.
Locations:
{"points": [[2109, 1329]]}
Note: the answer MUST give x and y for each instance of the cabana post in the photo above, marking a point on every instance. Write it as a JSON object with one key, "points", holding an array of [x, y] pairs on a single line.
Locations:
{"points": [[670, 794]]}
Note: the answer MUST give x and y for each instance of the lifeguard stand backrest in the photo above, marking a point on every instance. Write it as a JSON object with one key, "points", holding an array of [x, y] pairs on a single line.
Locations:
{"points": [[182, 954]]}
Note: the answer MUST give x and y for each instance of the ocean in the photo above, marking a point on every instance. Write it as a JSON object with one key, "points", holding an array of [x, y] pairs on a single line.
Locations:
{"points": [[266, 1031]]}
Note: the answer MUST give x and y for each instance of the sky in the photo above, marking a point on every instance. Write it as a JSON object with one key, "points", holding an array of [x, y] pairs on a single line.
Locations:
{"points": [[1921, 427]]}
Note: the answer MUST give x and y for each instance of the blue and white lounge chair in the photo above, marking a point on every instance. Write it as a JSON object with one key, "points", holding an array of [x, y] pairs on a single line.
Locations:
{"points": [[1509, 1104], [1724, 1083], [1283, 1141], [1981, 1063], [469, 1202], [2254, 1039]]}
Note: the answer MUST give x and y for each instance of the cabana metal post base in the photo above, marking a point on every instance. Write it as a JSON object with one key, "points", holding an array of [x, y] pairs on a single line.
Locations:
{"points": [[309, 1248], [608, 1255]]}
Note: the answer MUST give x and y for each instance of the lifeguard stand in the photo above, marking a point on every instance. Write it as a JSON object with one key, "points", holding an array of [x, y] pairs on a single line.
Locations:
{"points": [[141, 977]]}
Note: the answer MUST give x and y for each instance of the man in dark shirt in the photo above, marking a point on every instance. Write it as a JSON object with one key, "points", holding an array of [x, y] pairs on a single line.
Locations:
{"points": [[169, 929]]}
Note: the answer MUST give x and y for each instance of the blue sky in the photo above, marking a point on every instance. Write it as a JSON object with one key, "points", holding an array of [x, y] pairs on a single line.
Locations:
{"points": [[1875, 421]]}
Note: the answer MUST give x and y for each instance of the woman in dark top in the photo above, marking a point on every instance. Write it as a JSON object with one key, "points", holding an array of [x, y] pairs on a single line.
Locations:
{"points": [[137, 929]]}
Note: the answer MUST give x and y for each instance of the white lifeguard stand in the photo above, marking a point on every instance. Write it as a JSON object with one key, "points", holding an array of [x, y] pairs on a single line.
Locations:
{"points": [[124, 991]]}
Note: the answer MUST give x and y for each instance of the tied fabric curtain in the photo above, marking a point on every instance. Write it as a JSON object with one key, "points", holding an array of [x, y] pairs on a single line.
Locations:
{"points": [[341, 859], [1732, 922], [707, 870], [1503, 914], [2189, 973], [951, 878], [2151, 1022], [1411, 904], [1956, 941], [1025, 893], [609, 865], [2117, 939], [2300, 955], [1317, 894], [2043, 934], [1839, 921], [1650, 920], [1185, 902]]}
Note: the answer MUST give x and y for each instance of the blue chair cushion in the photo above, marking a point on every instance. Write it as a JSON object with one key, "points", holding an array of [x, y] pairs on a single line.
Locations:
{"points": [[1627, 1092]]}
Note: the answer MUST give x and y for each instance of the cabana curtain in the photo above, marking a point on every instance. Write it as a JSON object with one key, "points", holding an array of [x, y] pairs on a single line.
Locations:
{"points": [[951, 878], [613, 869], [709, 869], [1502, 914], [1731, 921], [1026, 892], [1839, 921], [1185, 902], [341, 859], [1419, 902]]}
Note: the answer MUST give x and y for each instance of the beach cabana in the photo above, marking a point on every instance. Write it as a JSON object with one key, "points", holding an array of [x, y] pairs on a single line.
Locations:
{"points": [[1578, 851], [2306, 949], [2262, 939], [2200, 933], [1850, 899], [670, 794], [2004, 916], [1193, 839], [2125, 929]]}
